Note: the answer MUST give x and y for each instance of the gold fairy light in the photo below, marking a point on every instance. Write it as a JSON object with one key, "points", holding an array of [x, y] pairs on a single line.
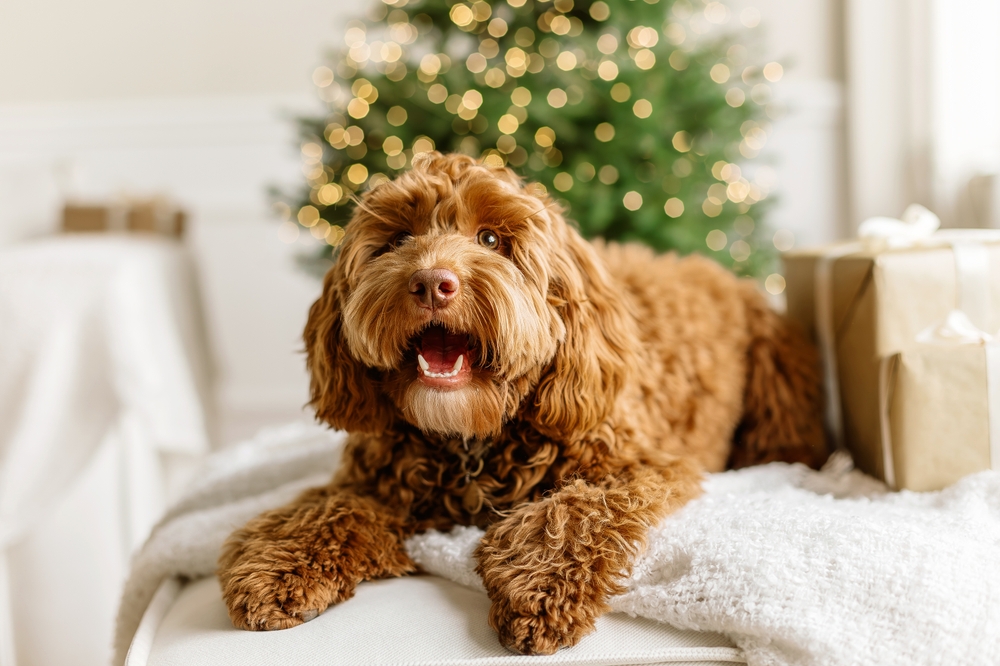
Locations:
{"points": [[320, 229], [678, 60], [607, 43], [355, 135], [632, 200], [520, 97], [560, 25], [563, 182], [322, 76], [337, 136], [738, 191], [335, 236], [489, 48], [493, 159], [599, 11], [784, 240], [774, 284], [711, 208], [681, 142], [716, 240], [566, 61], [475, 63], [743, 225], [620, 92], [608, 174], [719, 73], [357, 108], [674, 207], [607, 70], [391, 52], [355, 34], [392, 145], [645, 59], [312, 151], [585, 172], [472, 99], [564, 6], [481, 10], [308, 216], [396, 116], [506, 144], [437, 93], [642, 108], [465, 113], [288, 232], [740, 250], [773, 71], [422, 144], [453, 103], [430, 64], [461, 15], [330, 194], [675, 33], [735, 97], [604, 132], [557, 98], [357, 173], [495, 78], [545, 137], [524, 37], [508, 124], [497, 27], [717, 13]]}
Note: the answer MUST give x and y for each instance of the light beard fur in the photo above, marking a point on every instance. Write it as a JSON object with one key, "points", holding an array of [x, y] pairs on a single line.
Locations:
{"points": [[475, 410]]}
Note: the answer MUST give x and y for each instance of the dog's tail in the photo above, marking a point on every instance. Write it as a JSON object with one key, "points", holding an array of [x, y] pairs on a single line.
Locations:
{"points": [[783, 404]]}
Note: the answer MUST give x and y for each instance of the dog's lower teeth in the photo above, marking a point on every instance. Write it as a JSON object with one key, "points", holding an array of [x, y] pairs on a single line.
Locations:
{"points": [[425, 367]]}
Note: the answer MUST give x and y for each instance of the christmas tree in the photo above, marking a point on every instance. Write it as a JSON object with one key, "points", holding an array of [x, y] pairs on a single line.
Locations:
{"points": [[639, 115]]}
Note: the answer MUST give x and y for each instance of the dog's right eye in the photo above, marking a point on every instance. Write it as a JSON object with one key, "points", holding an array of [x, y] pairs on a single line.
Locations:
{"points": [[399, 238]]}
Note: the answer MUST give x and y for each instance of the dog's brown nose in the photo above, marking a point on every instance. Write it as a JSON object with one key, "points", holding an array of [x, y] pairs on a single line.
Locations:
{"points": [[433, 287]]}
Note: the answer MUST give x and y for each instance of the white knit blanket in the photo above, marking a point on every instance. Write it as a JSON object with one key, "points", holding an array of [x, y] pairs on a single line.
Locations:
{"points": [[794, 566]]}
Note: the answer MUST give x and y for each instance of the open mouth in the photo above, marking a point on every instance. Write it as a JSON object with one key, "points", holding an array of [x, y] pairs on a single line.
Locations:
{"points": [[444, 358]]}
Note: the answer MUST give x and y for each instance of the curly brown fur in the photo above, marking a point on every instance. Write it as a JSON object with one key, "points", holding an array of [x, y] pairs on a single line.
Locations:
{"points": [[597, 384]]}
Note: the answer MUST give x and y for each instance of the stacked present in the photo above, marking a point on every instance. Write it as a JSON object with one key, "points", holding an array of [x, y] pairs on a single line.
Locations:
{"points": [[157, 215], [901, 318]]}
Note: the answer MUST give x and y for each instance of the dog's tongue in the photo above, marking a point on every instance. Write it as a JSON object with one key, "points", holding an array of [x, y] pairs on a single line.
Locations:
{"points": [[441, 349]]}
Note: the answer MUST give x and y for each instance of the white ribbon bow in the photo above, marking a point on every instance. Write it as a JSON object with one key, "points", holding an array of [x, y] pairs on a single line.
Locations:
{"points": [[916, 224]]}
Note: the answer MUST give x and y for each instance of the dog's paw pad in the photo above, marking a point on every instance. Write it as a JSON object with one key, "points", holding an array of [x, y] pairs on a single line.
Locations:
{"points": [[308, 615]]}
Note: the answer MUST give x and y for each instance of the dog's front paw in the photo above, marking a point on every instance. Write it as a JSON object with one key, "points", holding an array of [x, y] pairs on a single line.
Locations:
{"points": [[540, 626], [265, 600], [547, 588]]}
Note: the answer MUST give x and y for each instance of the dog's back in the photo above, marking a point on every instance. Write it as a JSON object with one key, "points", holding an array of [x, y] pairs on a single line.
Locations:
{"points": [[716, 359]]}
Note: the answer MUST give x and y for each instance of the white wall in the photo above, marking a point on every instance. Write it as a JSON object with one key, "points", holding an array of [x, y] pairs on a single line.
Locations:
{"points": [[193, 98]]}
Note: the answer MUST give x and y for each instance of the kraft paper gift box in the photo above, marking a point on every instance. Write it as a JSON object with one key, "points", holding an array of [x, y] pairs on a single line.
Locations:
{"points": [[866, 303], [153, 215]]}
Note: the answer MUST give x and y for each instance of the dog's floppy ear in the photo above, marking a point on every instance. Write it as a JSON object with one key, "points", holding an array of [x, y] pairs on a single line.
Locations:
{"points": [[341, 391], [578, 391]]}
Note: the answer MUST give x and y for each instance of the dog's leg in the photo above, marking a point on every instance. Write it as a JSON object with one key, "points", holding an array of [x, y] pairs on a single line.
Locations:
{"points": [[288, 565], [783, 401], [551, 565]]}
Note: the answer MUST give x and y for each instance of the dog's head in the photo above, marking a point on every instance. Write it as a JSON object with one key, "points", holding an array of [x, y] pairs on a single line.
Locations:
{"points": [[461, 299]]}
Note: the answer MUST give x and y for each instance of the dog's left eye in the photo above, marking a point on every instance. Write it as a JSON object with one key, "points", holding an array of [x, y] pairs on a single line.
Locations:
{"points": [[488, 239]]}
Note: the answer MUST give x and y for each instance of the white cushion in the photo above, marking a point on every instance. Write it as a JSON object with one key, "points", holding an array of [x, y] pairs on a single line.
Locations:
{"points": [[418, 620]]}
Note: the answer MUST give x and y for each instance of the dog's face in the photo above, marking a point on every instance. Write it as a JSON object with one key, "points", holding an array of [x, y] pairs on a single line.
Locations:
{"points": [[460, 300]]}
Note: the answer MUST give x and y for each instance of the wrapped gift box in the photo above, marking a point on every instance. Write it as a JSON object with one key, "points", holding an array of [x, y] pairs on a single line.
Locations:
{"points": [[867, 303], [937, 413], [153, 215]]}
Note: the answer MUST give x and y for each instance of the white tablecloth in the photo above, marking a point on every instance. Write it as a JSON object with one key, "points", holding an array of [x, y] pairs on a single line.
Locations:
{"points": [[104, 379]]}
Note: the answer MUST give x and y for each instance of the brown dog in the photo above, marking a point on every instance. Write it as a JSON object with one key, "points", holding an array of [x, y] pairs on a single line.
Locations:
{"points": [[496, 369]]}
